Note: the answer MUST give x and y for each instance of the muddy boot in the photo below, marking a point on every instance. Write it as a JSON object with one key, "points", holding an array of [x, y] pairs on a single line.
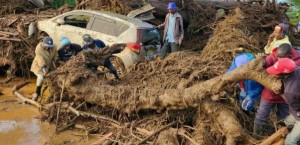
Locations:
{"points": [[37, 93], [258, 131]]}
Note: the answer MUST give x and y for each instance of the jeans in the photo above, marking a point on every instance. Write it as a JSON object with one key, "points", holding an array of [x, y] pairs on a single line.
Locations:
{"points": [[111, 68], [294, 136], [166, 48], [264, 110]]}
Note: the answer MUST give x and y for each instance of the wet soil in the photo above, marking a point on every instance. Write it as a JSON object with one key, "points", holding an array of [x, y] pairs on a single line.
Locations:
{"points": [[20, 123]]}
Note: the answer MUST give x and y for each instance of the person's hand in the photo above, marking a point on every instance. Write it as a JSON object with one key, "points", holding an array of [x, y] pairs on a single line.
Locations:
{"points": [[261, 55], [271, 37], [154, 26], [276, 89]]}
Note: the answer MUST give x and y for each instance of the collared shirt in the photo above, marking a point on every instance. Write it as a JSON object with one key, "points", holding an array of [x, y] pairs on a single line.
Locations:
{"points": [[170, 34]]}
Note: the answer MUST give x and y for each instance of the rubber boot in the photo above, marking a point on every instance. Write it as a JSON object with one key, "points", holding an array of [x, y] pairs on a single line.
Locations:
{"points": [[37, 93], [258, 131]]}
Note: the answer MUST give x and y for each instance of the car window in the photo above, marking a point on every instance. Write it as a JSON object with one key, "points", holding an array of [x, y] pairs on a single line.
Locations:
{"points": [[149, 36], [77, 20], [105, 26], [121, 27]]}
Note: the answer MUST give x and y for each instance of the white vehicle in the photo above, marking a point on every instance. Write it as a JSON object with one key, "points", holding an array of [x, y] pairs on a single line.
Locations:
{"points": [[109, 27]]}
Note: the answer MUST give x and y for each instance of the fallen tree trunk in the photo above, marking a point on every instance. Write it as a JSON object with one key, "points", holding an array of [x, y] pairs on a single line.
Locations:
{"points": [[129, 99]]}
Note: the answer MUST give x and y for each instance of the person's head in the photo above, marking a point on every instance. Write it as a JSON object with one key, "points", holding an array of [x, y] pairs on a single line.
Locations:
{"points": [[172, 7], [65, 43], [88, 41], [243, 59], [282, 68], [281, 30], [48, 43], [284, 50]]}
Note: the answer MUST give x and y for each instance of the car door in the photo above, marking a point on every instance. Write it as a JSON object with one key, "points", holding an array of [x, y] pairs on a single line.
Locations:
{"points": [[103, 28], [74, 27]]}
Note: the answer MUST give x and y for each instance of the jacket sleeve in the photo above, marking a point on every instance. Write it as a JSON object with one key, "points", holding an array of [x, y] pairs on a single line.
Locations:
{"points": [[163, 24], [181, 29], [254, 89]]}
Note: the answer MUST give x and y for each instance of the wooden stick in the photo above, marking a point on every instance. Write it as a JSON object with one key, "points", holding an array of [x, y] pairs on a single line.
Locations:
{"points": [[86, 114], [10, 39], [159, 130], [24, 99], [60, 100], [277, 135], [9, 33], [181, 132]]}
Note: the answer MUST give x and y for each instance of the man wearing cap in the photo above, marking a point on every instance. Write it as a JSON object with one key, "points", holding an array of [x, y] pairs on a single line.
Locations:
{"points": [[250, 90], [270, 99], [96, 44], [67, 49], [43, 62], [287, 70], [279, 36], [173, 30]]}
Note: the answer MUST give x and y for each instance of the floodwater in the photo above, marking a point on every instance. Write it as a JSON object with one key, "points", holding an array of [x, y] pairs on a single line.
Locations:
{"points": [[20, 123]]}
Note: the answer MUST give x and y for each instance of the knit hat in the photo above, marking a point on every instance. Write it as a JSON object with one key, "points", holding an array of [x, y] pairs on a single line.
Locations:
{"points": [[48, 42], [284, 27], [87, 39], [172, 6], [64, 41]]}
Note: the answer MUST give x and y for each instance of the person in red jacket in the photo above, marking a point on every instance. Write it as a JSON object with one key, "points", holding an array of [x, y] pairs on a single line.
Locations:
{"points": [[270, 99]]}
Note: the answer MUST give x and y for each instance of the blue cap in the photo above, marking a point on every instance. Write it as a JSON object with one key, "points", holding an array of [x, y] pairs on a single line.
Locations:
{"points": [[48, 42], [64, 41], [243, 59], [172, 6]]}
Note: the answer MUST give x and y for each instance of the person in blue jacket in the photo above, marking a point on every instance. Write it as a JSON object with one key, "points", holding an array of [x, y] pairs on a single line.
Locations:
{"points": [[90, 43], [250, 90]]}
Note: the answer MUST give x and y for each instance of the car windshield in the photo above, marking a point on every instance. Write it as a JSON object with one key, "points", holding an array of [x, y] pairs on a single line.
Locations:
{"points": [[150, 37]]}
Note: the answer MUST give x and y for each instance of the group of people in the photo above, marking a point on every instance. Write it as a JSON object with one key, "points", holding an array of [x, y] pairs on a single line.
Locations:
{"points": [[283, 61], [47, 56]]}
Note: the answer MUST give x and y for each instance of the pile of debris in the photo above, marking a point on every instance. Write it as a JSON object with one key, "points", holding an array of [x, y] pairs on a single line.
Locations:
{"points": [[138, 108]]}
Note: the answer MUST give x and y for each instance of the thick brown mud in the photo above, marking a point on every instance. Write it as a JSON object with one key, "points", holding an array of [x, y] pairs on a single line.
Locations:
{"points": [[20, 124]]}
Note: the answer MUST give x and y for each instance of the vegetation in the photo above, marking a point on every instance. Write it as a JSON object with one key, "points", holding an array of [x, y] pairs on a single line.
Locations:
{"points": [[58, 3]]}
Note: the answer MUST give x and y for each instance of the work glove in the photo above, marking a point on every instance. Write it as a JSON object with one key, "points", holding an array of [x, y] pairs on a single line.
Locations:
{"points": [[248, 104], [242, 96]]}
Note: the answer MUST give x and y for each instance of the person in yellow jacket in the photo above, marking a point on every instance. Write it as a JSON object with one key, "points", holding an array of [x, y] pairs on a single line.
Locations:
{"points": [[278, 37], [44, 60]]}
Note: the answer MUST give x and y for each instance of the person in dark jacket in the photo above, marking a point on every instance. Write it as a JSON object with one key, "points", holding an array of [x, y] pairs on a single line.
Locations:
{"points": [[270, 99], [90, 43], [287, 70], [67, 49], [250, 90]]}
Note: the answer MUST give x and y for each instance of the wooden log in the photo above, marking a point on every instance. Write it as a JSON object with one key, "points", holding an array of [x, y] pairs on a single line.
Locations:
{"points": [[24, 99], [10, 39], [276, 136]]}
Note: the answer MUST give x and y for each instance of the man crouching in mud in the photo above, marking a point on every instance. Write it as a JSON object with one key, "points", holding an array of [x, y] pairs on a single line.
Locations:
{"points": [[45, 56], [287, 70]]}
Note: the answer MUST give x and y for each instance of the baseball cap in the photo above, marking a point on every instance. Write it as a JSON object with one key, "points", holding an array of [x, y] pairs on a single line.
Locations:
{"points": [[282, 66], [48, 42]]}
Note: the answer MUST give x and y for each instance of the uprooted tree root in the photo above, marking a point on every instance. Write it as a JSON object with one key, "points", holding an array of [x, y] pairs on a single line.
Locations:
{"points": [[146, 101]]}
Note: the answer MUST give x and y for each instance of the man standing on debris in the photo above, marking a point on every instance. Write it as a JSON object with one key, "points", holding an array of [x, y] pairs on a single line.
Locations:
{"points": [[45, 57], [270, 99], [250, 90], [287, 70], [279, 36], [173, 30], [96, 44], [67, 49]]}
